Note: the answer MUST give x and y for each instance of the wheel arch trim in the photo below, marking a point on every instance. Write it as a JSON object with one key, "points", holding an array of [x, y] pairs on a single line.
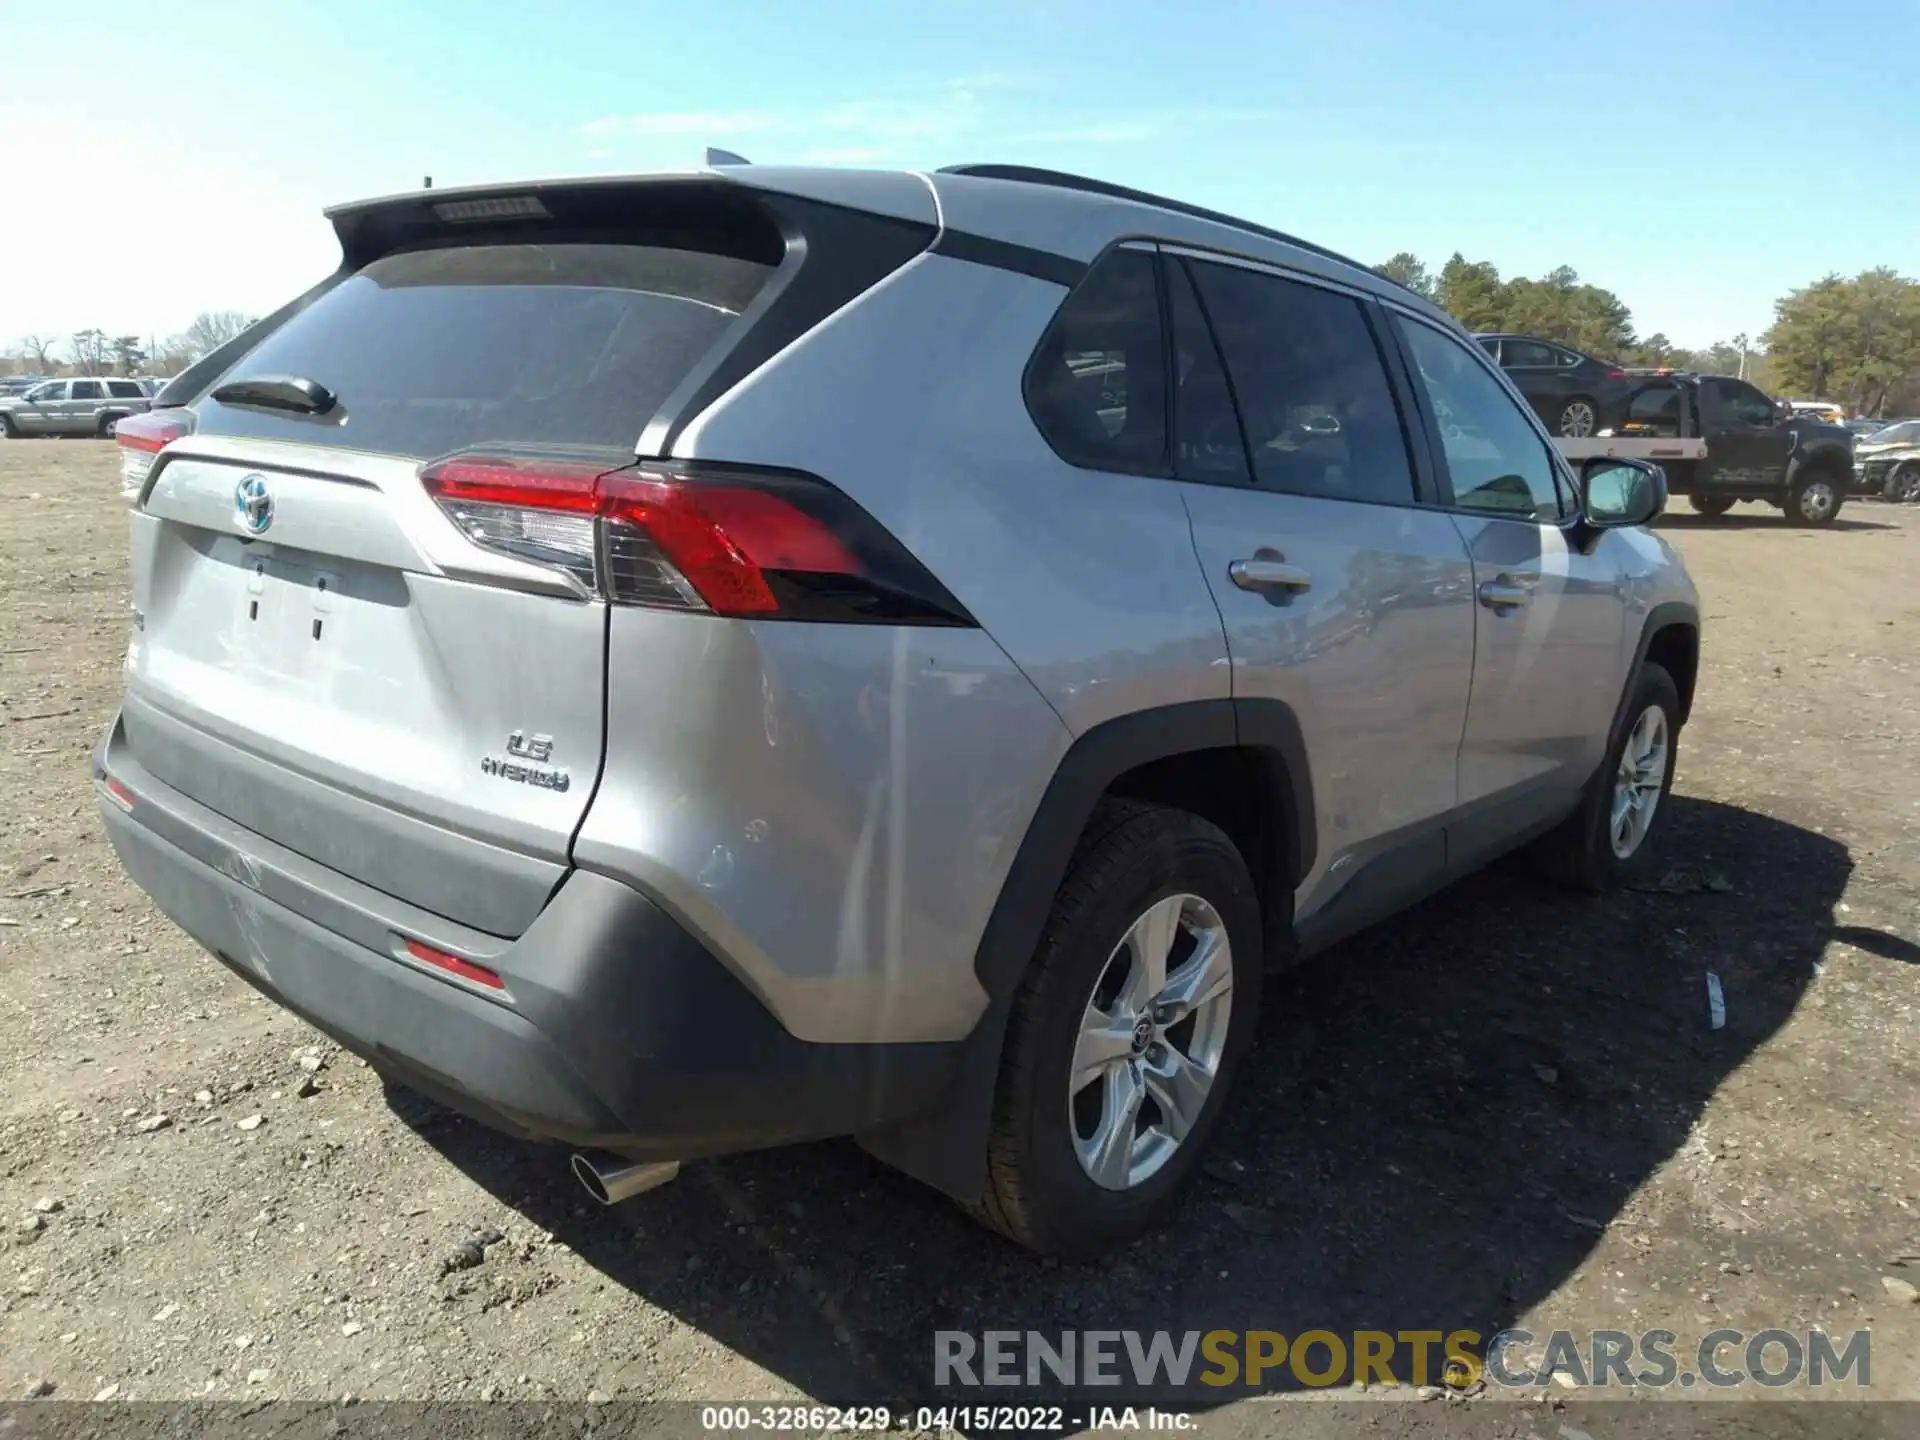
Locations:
{"points": [[1670, 614], [1100, 756]]}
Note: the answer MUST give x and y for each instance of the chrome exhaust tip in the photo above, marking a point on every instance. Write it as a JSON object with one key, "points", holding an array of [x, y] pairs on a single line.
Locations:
{"points": [[611, 1179]]}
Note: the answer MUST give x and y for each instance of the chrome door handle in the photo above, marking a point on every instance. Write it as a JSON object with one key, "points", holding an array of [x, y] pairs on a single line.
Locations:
{"points": [[1264, 573], [1498, 594]]}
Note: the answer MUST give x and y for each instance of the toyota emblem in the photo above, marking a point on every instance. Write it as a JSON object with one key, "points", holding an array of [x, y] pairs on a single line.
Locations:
{"points": [[253, 504]]}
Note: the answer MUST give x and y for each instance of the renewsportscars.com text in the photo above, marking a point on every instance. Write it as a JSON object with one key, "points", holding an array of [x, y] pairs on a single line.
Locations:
{"points": [[1514, 1358]]}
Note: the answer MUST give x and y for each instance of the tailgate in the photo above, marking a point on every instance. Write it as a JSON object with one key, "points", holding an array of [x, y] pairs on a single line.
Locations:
{"points": [[329, 686]]}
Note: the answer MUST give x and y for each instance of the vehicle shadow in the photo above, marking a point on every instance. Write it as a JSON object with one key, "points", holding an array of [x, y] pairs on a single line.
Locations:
{"points": [[1440, 1119], [1766, 519]]}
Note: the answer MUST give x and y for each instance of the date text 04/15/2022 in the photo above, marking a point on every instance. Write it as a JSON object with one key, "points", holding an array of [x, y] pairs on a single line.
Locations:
{"points": [[952, 1419]]}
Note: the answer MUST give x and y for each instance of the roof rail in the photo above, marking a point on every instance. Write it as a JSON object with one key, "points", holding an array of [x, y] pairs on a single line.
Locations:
{"points": [[1062, 180]]}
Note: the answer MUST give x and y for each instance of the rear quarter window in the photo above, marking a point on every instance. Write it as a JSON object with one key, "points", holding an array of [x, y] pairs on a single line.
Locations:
{"points": [[438, 350], [1096, 387]]}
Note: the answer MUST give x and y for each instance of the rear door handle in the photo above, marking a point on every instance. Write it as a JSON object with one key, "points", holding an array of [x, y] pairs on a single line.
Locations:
{"points": [[1264, 572], [1499, 594]]}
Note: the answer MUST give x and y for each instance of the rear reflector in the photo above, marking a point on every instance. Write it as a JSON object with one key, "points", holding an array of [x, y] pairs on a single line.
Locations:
{"points": [[119, 793], [454, 965], [141, 437], [720, 539]]}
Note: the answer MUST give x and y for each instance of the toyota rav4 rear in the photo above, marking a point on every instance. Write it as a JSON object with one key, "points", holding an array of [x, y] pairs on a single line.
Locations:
{"points": [[613, 791]]}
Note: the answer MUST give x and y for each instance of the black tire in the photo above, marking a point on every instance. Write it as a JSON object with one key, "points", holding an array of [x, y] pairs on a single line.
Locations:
{"points": [[1038, 1192], [6, 428], [105, 428], [1711, 505], [1580, 853], [1815, 499], [1903, 485], [1579, 411]]}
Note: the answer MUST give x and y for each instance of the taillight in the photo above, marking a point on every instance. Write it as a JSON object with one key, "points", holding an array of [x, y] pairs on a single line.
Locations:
{"points": [[694, 536], [141, 438], [1616, 374]]}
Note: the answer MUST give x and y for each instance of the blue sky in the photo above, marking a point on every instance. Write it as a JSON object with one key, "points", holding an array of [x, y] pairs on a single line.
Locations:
{"points": [[1700, 157]]}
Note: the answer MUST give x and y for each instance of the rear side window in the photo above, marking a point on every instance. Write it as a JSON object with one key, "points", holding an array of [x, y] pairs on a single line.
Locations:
{"points": [[1530, 354], [1207, 444], [1317, 408], [86, 390], [437, 350], [1096, 387]]}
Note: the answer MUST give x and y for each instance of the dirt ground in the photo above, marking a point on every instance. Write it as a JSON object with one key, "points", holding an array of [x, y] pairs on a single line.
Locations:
{"points": [[1505, 1108]]}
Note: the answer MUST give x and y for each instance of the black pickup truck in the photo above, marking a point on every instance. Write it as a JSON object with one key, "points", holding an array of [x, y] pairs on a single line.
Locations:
{"points": [[1757, 448]]}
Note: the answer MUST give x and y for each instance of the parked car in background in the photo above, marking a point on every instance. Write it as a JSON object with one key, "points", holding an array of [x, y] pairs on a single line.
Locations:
{"points": [[1861, 426], [1575, 394], [85, 405], [1887, 462], [665, 721]]}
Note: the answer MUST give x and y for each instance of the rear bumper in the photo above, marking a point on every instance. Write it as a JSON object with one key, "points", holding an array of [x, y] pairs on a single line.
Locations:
{"points": [[616, 1028]]}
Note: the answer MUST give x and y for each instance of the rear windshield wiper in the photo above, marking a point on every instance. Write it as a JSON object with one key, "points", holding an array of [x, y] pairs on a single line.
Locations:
{"points": [[279, 392]]}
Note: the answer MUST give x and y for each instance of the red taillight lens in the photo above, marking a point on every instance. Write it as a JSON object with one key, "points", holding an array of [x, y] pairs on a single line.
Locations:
{"points": [[142, 437], [454, 965], [723, 539], [121, 795], [684, 537], [1616, 374]]}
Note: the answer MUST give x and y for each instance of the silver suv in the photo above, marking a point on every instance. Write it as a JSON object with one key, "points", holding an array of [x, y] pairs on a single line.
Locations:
{"points": [[90, 405], [686, 664]]}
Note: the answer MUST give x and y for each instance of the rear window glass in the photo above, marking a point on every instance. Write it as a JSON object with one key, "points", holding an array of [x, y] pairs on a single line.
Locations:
{"points": [[448, 349]]}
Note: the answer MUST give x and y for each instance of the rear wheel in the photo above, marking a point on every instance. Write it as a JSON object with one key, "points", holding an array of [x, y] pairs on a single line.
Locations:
{"points": [[1711, 504], [1607, 840], [7, 429], [107, 425], [1814, 499], [1903, 485], [1125, 1034], [1579, 418]]}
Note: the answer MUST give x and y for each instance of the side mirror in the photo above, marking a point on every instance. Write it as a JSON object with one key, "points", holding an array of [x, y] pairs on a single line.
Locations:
{"points": [[1621, 492]]}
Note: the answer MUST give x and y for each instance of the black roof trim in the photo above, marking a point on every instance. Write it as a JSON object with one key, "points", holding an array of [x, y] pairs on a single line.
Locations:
{"points": [[1062, 180]]}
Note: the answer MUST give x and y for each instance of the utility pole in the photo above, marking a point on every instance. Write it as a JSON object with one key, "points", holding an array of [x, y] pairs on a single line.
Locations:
{"points": [[1741, 341]]}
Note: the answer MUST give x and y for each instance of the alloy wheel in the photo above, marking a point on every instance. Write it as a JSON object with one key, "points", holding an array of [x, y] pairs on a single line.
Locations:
{"points": [[1638, 782], [1150, 1042], [1577, 420]]}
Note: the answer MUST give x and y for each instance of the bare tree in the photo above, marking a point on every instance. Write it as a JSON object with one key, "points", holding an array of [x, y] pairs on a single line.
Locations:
{"points": [[39, 349], [91, 351], [172, 355], [213, 328]]}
